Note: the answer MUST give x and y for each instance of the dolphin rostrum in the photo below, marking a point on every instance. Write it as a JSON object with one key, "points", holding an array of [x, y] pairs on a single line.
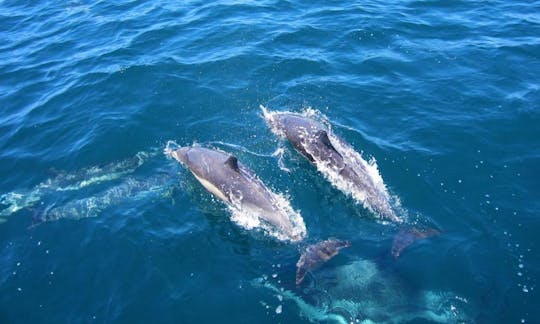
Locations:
{"points": [[232, 182], [336, 159], [316, 255]]}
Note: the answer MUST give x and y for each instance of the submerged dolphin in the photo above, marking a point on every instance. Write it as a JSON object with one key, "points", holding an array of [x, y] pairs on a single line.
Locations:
{"points": [[336, 159], [232, 182]]}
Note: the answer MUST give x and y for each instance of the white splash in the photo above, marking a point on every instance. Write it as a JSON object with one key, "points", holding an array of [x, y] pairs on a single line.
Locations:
{"points": [[170, 147], [354, 159], [279, 152], [251, 218]]}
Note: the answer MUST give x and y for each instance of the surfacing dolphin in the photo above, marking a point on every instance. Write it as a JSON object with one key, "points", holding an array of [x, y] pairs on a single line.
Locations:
{"points": [[232, 182], [336, 159], [345, 169], [316, 255]]}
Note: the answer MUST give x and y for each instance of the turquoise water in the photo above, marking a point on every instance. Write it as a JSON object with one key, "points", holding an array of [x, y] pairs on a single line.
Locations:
{"points": [[97, 225]]}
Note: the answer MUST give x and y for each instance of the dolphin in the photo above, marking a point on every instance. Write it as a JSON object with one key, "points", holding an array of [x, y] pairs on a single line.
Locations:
{"points": [[345, 169], [130, 190], [229, 180], [336, 159], [316, 255]]}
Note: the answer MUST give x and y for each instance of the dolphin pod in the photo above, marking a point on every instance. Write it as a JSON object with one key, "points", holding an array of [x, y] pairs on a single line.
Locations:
{"points": [[239, 188]]}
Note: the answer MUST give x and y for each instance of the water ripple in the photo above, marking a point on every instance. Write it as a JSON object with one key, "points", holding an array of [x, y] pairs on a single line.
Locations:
{"points": [[443, 94]]}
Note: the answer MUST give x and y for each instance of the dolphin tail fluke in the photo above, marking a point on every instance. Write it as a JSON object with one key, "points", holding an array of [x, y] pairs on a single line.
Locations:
{"points": [[408, 236]]}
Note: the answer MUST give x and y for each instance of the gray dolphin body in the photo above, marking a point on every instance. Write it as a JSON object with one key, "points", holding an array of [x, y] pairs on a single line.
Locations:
{"points": [[232, 182], [315, 141]]}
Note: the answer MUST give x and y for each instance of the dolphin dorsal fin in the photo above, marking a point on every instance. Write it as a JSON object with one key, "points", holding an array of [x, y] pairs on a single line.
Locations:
{"points": [[322, 135], [232, 162]]}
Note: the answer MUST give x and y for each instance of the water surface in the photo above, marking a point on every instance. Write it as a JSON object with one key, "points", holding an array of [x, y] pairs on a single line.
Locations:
{"points": [[444, 95]]}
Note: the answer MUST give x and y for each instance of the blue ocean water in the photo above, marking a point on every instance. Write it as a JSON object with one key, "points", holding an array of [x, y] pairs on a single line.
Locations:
{"points": [[97, 225]]}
